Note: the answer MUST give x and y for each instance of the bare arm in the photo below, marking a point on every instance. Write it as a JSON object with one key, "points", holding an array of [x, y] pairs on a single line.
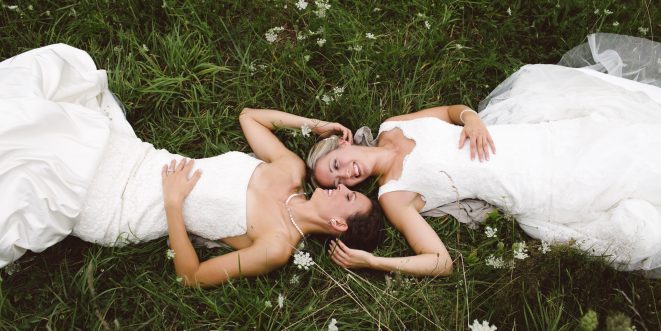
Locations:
{"points": [[432, 257], [261, 257]]}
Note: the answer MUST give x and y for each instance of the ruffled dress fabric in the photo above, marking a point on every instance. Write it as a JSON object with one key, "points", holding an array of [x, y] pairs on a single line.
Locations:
{"points": [[580, 167], [70, 162]]}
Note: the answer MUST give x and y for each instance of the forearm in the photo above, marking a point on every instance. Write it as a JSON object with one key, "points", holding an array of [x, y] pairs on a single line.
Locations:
{"points": [[426, 264], [271, 119], [186, 261]]}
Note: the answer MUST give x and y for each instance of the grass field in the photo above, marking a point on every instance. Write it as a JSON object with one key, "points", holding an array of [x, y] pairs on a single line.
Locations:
{"points": [[185, 69]]}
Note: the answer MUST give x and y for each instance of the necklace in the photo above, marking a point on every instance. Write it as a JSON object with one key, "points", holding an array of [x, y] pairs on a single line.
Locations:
{"points": [[291, 217]]}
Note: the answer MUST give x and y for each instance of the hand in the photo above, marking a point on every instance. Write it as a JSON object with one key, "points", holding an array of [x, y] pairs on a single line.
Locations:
{"points": [[176, 182], [325, 129], [480, 139], [349, 258]]}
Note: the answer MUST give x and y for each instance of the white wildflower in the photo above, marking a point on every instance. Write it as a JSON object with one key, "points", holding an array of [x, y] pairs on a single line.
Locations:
{"points": [[281, 301], [306, 57], [261, 66], [322, 7], [301, 4], [495, 262], [332, 326], [520, 250], [169, 254], [300, 36], [643, 30], [252, 67], [490, 232], [376, 9], [30, 7], [272, 34], [145, 48], [303, 260], [356, 48], [11, 268], [321, 42], [421, 15], [596, 11], [370, 35], [179, 279], [268, 304], [338, 91], [12, 7], [305, 130], [294, 280], [327, 99], [545, 247], [616, 23], [509, 11], [427, 25], [484, 326], [607, 12], [47, 13], [459, 46]]}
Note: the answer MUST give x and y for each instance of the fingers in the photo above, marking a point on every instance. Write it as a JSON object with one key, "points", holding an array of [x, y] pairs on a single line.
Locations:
{"points": [[462, 139], [493, 146], [472, 147], [196, 177], [485, 145], [173, 165], [480, 148]]}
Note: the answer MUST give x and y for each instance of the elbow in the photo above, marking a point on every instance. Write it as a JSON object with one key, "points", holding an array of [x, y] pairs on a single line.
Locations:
{"points": [[246, 112], [443, 266]]}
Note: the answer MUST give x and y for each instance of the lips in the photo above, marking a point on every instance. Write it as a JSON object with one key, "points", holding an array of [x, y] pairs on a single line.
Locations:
{"points": [[356, 170]]}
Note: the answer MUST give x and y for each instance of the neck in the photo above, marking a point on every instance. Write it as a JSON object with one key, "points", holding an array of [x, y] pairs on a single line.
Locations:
{"points": [[304, 214], [382, 159]]}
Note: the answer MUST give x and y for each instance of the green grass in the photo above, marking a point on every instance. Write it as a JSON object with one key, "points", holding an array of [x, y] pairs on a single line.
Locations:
{"points": [[184, 70]]}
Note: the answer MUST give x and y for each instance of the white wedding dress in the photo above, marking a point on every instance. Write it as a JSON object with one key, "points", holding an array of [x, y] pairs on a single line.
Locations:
{"points": [[577, 162], [70, 163]]}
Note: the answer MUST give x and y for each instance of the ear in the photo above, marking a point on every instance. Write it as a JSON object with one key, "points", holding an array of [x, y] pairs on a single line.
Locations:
{"points": [[338, 224]]}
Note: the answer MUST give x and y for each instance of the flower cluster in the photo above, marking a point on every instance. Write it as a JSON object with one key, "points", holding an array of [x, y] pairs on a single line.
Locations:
{"points": [[272, 34], [322, 7], [484, 326], [169, 254], [301, 4], [303, 260], [305, 131], [490, 232], [332, 326], [520, 250], [336, 94], [545, 247], [495, 262]]}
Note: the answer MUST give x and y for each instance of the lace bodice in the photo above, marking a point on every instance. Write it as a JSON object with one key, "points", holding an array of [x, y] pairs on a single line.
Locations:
{"points": [[125, 202]]}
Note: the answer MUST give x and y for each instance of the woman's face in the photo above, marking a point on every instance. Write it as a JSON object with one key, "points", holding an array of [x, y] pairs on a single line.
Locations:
{"points": [[344, 165], [340, 202]]}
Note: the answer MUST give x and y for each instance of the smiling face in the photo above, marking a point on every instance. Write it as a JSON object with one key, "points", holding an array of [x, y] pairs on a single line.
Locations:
{"points": [[344, 165], [340, 202]]}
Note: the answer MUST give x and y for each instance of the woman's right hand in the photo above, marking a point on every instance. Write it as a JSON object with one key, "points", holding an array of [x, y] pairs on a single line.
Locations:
{"points": [[325, 129], [176, 182]]}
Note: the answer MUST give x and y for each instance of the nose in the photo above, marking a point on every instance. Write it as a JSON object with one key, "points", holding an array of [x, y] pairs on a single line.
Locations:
{"points": [[341, 187]]}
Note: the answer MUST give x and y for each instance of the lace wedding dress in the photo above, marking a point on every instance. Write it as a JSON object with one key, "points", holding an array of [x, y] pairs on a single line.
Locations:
{"points": [[577, 162], [70, 163]]}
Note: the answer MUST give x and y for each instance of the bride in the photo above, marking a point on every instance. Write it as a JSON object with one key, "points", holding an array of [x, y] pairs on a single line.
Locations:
{"points": [[577, 162], [71, 164]]}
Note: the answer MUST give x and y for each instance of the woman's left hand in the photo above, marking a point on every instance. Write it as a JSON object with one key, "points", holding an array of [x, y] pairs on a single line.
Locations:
{"points": [[480, 139], [176, 184], [349, 258], [324, 129]]}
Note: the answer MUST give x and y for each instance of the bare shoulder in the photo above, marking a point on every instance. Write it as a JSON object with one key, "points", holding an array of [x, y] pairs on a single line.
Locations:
{"points": [[395, 201]]}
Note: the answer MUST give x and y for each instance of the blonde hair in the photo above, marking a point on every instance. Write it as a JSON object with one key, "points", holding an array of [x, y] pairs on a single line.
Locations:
{"points": [[318, 151]]}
